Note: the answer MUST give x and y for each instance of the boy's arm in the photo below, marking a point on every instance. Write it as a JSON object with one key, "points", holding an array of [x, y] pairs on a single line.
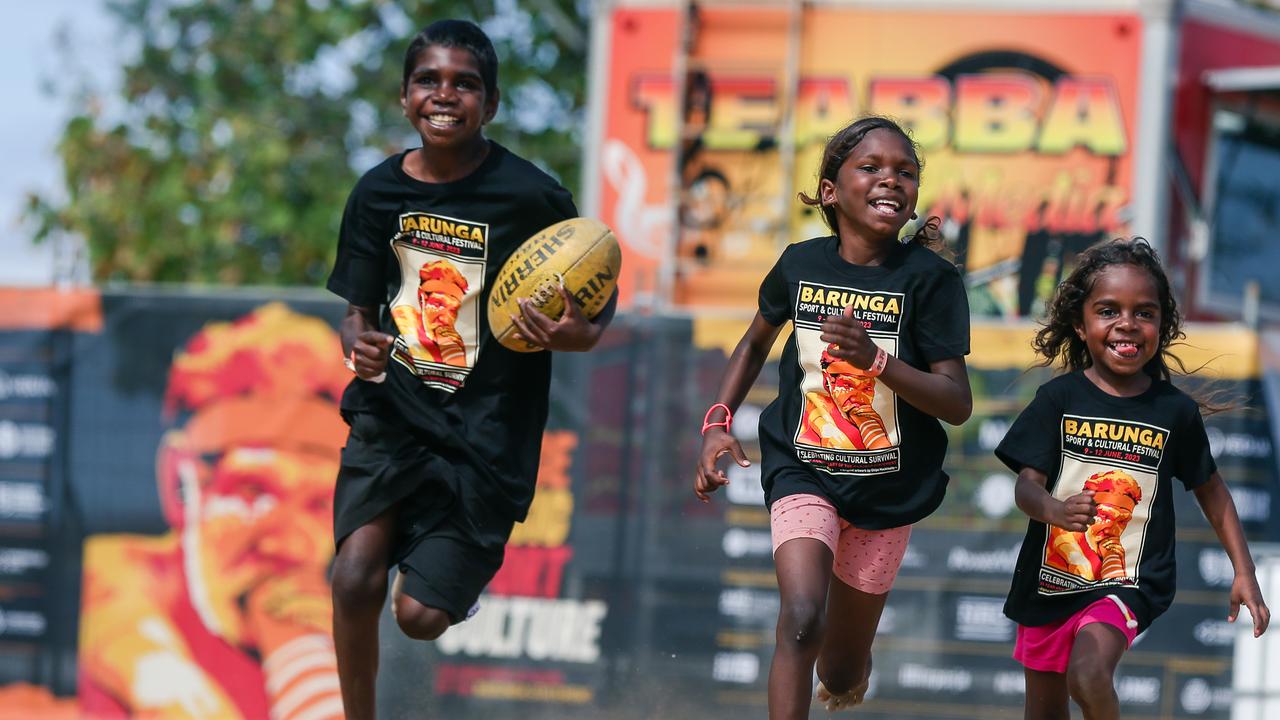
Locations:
{"points": [[744, 367], [573, 332], [1220, 510], [1074, 514], [366, 347]]}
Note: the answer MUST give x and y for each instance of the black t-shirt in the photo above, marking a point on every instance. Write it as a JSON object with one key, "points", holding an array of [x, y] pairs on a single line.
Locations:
{"points": [[1127, 450], [427, 254], [835, 432]]}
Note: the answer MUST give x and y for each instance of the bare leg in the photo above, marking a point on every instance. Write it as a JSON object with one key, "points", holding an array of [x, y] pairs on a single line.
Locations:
{"points": [[1046, 696], [852, 618], [804, 571], [418, 621], [1092, 668], [359, 589]]}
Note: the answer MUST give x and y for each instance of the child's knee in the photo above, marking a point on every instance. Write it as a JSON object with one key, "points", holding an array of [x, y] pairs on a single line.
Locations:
{"points": [[419, 621], [356, 582], [1088, 682], [801, 621]]}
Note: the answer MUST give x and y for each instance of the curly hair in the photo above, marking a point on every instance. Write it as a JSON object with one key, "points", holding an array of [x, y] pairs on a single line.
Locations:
{"points": [[1057, 341], [837, 151]]}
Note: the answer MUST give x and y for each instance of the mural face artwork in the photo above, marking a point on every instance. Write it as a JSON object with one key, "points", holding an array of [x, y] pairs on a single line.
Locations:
{"points": [[228, 614]]}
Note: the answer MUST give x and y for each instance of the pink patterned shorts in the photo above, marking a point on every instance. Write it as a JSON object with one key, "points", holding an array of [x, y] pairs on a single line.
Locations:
{"points": [[866, 560], [1047, 648]]}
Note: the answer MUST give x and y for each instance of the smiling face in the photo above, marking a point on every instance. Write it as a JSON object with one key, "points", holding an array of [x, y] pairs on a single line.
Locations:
{"points": [[876, 188], [1121, 324], [444, 97]]}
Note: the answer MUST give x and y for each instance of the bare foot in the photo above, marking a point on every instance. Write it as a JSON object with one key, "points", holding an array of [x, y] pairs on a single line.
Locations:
{"points": [[843, 700]]}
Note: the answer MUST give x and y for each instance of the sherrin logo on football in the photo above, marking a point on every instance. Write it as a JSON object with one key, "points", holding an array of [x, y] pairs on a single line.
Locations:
{"points": [[579, 254]]}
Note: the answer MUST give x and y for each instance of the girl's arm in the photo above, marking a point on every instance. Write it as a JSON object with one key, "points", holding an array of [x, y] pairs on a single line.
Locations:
{"points": [[744, 367], [943, 392], [1074, 514], [1218, 507]]}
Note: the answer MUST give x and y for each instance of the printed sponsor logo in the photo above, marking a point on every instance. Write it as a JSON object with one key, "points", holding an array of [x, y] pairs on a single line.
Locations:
{"points": [[506, 683], [1252, 504], [1237, 444], [738, 543], [913, 558], [22, 623], [982, 619], [1198, 696], [990, 432], [989, 561], [744, 485], [1007, 682], [25, 440], [888, 621], [994, 497], [15, 561], [1215, 568], [1215, 633], [746, 423], [537, 628], [748, 604], [26, 387], [736, 667], [21, 500], [934, 679], [1138, 689]]}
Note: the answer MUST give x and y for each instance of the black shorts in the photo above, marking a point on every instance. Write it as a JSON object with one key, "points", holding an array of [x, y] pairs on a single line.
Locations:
{"points": [[445, 562]]}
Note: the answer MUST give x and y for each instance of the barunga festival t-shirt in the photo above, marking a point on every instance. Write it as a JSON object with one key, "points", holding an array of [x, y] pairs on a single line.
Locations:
{"points": [[834, 431], [1127, 451], [427, 254]]}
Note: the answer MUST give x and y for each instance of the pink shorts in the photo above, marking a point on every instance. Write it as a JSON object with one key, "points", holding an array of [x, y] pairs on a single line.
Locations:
{"points": [[866, 560], [1047, 648]]}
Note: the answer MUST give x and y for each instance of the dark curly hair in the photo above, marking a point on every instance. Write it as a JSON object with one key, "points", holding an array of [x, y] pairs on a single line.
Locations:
{"points": [[1057, 341], [837, 151]]}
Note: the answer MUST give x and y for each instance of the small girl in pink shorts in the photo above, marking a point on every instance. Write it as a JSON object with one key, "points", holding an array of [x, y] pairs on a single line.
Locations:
{"points": [[1096, 454], [851, 448]]}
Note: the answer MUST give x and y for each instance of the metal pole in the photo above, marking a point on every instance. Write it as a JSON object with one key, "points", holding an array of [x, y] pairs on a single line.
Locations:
{"points": [[597, 89], [787, 148], [665, 290], [1150, 185]]}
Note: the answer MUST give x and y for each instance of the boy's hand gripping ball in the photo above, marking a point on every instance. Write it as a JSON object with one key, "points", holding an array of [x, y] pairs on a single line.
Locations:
{"points": [[581, 254]]}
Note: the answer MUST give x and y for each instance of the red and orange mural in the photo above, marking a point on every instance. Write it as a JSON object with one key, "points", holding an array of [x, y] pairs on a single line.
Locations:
{"points": [[227, 614], [1025, 122]]}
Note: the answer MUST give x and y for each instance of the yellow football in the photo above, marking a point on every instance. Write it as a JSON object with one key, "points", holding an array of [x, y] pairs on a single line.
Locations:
{"points": [[580, 253]]}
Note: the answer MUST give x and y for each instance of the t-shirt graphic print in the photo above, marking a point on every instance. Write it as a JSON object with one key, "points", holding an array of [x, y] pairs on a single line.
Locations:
{"points": [[437, 308], [1118, 461], [849, 422]]}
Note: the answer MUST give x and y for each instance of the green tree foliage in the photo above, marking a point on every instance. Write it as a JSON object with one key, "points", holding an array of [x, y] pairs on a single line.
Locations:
{"points": [[241, 125]]}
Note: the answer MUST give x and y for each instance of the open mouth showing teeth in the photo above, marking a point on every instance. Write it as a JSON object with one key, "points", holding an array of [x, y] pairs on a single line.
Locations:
{"points": [[886, 207], [1124, 349], [443, 120]]}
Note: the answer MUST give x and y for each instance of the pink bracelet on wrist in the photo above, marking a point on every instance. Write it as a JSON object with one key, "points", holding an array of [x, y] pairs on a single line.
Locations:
{"points": [[877, 365], [727, 423]]}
